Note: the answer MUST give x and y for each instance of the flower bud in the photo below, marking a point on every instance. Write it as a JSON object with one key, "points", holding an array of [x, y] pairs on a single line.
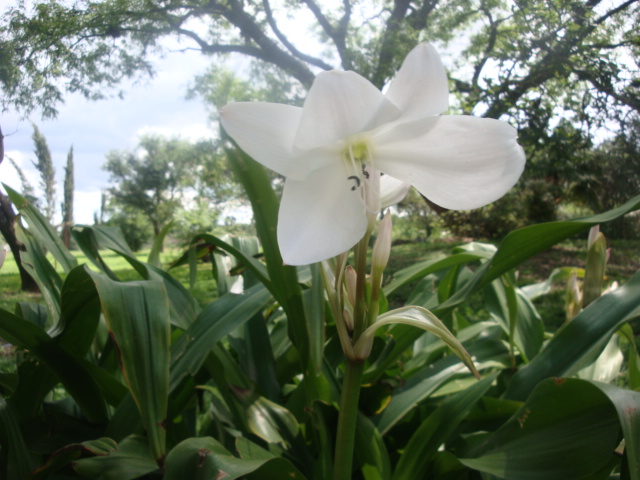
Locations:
{"points": [[351, 279], [382, 246], [597, 256]]}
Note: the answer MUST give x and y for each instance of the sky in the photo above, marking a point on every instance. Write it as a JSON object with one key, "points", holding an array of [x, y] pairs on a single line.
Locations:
{"points": [[94, 128]]}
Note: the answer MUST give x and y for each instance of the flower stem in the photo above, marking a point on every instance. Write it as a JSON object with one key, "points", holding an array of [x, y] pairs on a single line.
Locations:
{"points": [[347, 419]]}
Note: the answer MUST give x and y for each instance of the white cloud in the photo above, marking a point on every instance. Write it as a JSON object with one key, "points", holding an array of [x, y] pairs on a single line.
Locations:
{"points": [[94, 128]]}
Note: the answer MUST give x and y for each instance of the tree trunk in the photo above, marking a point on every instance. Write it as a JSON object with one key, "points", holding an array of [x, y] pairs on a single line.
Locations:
{"points": [[8, 231]]}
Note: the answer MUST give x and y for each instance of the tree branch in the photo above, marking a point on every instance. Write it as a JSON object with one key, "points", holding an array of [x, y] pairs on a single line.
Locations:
{"points": [[266, 49], [337, 36], [290, 46], [389, 42]]}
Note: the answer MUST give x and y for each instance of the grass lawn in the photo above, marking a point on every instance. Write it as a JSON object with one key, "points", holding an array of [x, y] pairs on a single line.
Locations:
{"points": [[204, 290], [623, 263]]}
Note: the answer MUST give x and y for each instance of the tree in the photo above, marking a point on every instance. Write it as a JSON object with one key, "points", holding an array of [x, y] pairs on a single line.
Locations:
{"points": [[567, 53], [67, 204], [536, 63], [163, 176], [44, 165]]}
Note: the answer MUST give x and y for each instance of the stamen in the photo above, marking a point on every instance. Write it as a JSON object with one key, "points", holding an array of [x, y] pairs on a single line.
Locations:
{"points": [[359, 153]]}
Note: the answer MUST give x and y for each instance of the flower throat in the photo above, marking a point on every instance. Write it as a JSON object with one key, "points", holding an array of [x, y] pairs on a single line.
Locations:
{"points": [[362, 172]]}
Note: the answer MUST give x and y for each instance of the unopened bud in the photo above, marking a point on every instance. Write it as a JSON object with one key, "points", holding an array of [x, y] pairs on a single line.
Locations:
{"points": [[348, 319], [351, 279], [382, 246], [574, 297], [597, 256]]}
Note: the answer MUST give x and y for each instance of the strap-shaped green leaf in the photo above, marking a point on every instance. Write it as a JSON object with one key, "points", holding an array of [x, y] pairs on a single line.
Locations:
{"points": [[421, 318], [42, 230], [516, 247], [436, 429], [137, 316], [71, 371], [567, 429], [215, 322], [205, 457], [580, 341]]}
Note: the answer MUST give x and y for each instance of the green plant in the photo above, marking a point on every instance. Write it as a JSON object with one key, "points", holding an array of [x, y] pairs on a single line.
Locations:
{"points": [[154, 386]]}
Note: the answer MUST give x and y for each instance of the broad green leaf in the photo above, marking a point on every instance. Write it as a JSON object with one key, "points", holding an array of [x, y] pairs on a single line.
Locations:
{"points": [[626, 403], [271, 422], [525, 242], [69, 453], [71, 371], [86, 240], [634, 359], [273, 466], [257, 358], [80, 313], [183, 307], [314, 302], [436, 429], [421, 318], [44, 233], [131, 460], [567, 429], [27, 397], [206, 458], [111, 238], [34, 312], [36, 263], [156, 248], [516, 247], [137, 315], [580, 341], [371, 452], [284, 279], [518, 317], [215, 322], [427, 381], [542, 288], [15, 458], [422, 269], [607, 366], [258, 269]]}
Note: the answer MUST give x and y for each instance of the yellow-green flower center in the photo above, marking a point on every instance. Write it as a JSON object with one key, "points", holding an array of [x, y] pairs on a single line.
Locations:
{"points": [[362, 173]]}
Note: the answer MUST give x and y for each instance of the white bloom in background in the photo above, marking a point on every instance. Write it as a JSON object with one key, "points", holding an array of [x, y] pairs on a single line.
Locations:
{"points": [[333, 149]]}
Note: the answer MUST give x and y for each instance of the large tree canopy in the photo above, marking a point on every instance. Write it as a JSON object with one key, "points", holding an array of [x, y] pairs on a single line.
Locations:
{"points": [[531, 60]]}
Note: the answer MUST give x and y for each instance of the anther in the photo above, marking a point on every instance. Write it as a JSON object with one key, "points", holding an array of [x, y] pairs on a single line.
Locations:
{"points": [[355, 179]]}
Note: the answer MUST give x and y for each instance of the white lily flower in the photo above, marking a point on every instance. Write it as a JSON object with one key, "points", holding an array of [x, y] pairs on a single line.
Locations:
{"points": [[333, 149], [392, 191]]}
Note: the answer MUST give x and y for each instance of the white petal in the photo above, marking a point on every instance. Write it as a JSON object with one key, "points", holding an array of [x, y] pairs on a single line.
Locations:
{"points": [[420, 87], [392, 191], [457, 162], [319, 218], [339, 104], [265, 131]]}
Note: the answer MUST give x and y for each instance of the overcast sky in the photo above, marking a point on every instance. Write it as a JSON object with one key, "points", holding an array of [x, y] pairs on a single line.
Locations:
{"points": [[94, 128]]}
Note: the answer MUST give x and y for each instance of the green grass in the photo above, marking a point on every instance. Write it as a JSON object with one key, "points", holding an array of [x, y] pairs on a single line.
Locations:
{"points": [[204, 290], [623, 263]]}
